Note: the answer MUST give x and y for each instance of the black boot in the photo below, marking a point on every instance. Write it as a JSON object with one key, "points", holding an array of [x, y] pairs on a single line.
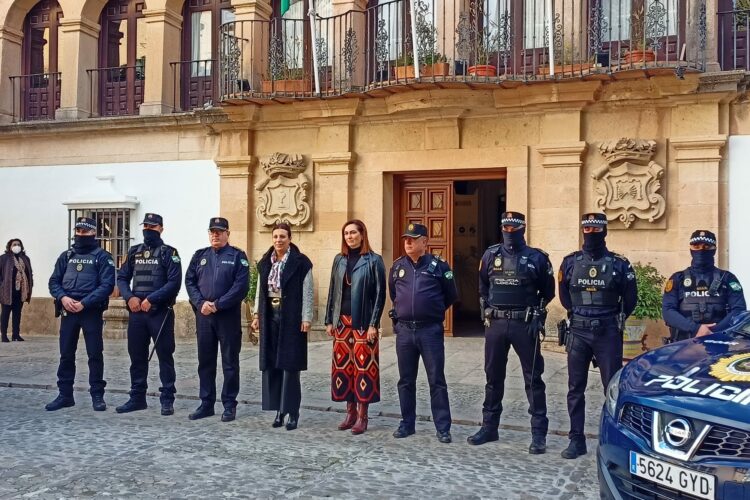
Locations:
{"points": [[60, 402], [279, 420], [203, 411], [97, 401], [575, 449], [5, 337], [167, 407], [484, 435], [229, 414], [17, 338], [132, 404], [538, 444], [292, 423]]}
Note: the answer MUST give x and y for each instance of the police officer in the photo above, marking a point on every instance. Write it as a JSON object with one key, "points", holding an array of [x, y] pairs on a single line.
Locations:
{"points": [[81, 283], [156, 273], [702, 298], [598, 289], [217, 282], [422, 288], [516, 282]]}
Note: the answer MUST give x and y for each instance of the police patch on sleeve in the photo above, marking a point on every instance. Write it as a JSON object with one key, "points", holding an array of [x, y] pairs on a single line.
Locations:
{"points": [[735, 286], [176, 259], [559, 276], [244, 262], [111, 262], [668, 287], [448, 275], [630, 276]]}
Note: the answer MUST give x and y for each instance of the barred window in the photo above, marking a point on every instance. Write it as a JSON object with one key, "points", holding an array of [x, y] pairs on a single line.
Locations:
{"points": [[113, 229]]}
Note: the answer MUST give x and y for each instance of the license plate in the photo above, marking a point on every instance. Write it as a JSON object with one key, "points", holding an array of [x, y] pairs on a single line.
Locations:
{"points": [[674, 477]]}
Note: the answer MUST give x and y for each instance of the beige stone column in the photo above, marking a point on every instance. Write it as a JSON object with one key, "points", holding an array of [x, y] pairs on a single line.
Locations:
{"points": [[78, 51], [252, 30], [163, 31], [332, 208], [236, 191], [698, 162], [10, 65]]}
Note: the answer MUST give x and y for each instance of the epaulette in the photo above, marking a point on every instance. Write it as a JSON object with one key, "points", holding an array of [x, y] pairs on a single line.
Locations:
{"points": [[620, 256], [494, 247], [571, 254], [540, 251]]}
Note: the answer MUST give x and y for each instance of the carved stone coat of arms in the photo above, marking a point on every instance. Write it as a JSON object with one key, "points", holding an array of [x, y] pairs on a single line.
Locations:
{"points": [[628, 185], [284, 194]]}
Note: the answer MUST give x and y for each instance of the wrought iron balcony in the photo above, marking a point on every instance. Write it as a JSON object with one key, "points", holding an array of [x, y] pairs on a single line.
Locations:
{"points": [[733, 37], [498, 42], [195, 84], [119, 89], [35, 97]]}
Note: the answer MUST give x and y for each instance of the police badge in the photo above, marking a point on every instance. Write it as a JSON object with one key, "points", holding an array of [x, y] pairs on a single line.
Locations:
{"points": [[687, 282], [592, 272], [79, 267], [203, 262], [401, 273], [147, 254], [498, 262]]}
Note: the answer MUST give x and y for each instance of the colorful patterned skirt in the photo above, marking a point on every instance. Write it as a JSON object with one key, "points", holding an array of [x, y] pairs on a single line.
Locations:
{"points": [[355, 370]]}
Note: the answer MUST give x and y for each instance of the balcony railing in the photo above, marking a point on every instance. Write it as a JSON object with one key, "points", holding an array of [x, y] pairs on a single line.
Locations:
{"points": [[734, 27], [195, 84], [35, 97], [436, 41], [120, 89]]}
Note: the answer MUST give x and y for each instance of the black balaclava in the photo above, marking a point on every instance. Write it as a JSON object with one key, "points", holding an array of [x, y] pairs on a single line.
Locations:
{"points": [[594, 244], [152, 238], [703, 260], [514, 241], [83, 244]]}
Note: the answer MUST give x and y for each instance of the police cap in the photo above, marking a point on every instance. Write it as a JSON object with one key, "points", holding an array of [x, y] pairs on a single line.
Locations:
{"points": [[153, 219], [219, 223], [515, 219], [703, 236], [414, 231], [86, 223], [594, 219]]}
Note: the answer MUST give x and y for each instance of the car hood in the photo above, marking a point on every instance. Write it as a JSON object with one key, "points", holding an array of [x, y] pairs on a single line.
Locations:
{"points": [[707, 375]]}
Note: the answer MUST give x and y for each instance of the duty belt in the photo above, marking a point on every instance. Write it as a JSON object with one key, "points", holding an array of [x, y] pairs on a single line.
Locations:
{"points": [[581, 322], [414, 325], [509, 314]]}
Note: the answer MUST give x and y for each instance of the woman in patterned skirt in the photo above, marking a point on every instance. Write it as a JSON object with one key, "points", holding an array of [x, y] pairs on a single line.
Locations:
{"points": [[356, 297]]}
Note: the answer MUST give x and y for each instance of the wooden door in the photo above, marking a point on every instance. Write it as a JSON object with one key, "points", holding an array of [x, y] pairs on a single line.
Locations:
{"points": [[429, 203]]}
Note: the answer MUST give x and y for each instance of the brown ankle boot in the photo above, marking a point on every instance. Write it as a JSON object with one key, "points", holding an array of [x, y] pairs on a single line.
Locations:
{"points": [[351, 416], [361, 425]]}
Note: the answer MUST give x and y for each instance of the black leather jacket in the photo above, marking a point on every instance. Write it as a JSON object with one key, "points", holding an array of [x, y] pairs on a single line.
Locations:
{"points": [[368, 291]]}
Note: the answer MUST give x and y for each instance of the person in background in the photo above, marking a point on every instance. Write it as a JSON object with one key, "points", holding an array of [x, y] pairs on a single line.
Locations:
{"points": [[16, 282]]}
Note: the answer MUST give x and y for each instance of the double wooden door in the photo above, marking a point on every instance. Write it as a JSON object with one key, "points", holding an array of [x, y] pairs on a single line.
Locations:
{"points": [[429, 203]]}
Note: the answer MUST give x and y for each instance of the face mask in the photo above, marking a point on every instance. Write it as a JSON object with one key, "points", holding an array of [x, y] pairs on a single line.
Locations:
{"points": [[151, 237], [514, 240], [84, 241], [594, 243], [703, 259], [15, 249]]}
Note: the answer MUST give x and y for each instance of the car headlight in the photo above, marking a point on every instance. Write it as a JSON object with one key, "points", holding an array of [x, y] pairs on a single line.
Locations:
{"points": [[613, 392]]}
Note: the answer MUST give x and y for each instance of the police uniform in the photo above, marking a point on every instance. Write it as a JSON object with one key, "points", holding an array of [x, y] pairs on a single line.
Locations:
{"points": [[598, 289], [421, 292], [85, 273], [702, 294], [516, 282], [156, 274], [219, 276]]}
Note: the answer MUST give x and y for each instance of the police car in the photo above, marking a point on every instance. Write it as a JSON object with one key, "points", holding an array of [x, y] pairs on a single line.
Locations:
{"points": [[676, 421]]}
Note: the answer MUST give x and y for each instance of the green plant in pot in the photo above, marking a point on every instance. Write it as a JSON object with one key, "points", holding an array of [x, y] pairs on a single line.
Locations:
{"points": [[650, 285]]}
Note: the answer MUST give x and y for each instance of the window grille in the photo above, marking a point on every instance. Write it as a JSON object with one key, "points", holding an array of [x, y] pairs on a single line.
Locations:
{"points": [[113, 229]]}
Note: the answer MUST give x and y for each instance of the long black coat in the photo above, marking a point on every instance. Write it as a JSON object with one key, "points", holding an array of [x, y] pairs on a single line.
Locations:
{"points": [[7, 283], [291, 351]]}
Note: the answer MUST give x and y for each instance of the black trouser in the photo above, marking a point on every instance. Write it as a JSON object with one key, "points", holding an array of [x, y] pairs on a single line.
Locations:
{"points": [[71, 324], [219, 330], [499, 337], [427, 342], [15, 309], [281, 389], [603, 344], [142, 327]]}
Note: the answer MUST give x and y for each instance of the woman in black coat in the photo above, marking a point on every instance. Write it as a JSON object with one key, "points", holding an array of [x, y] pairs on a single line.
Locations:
{"points": [[356, 297], [283, 313], [16, 282]]}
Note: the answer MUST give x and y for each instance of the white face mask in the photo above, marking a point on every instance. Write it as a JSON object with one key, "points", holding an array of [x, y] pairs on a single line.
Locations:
{"points": [[16, 249]]}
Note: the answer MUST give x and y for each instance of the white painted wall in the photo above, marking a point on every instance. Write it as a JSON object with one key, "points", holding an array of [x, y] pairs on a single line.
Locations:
{"points": [[185, 193], [739, 209]]}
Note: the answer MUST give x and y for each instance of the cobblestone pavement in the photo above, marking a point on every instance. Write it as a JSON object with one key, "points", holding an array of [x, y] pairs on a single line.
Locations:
{"points": [[78, 453]]}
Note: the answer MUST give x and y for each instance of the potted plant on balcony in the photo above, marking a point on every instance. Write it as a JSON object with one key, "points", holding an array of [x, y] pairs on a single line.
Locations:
{"points": [[570, 61], [285, 74], [435, 65], [482, 68], [432, 62], [639, 51], [650, 285], [403, 67]]}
